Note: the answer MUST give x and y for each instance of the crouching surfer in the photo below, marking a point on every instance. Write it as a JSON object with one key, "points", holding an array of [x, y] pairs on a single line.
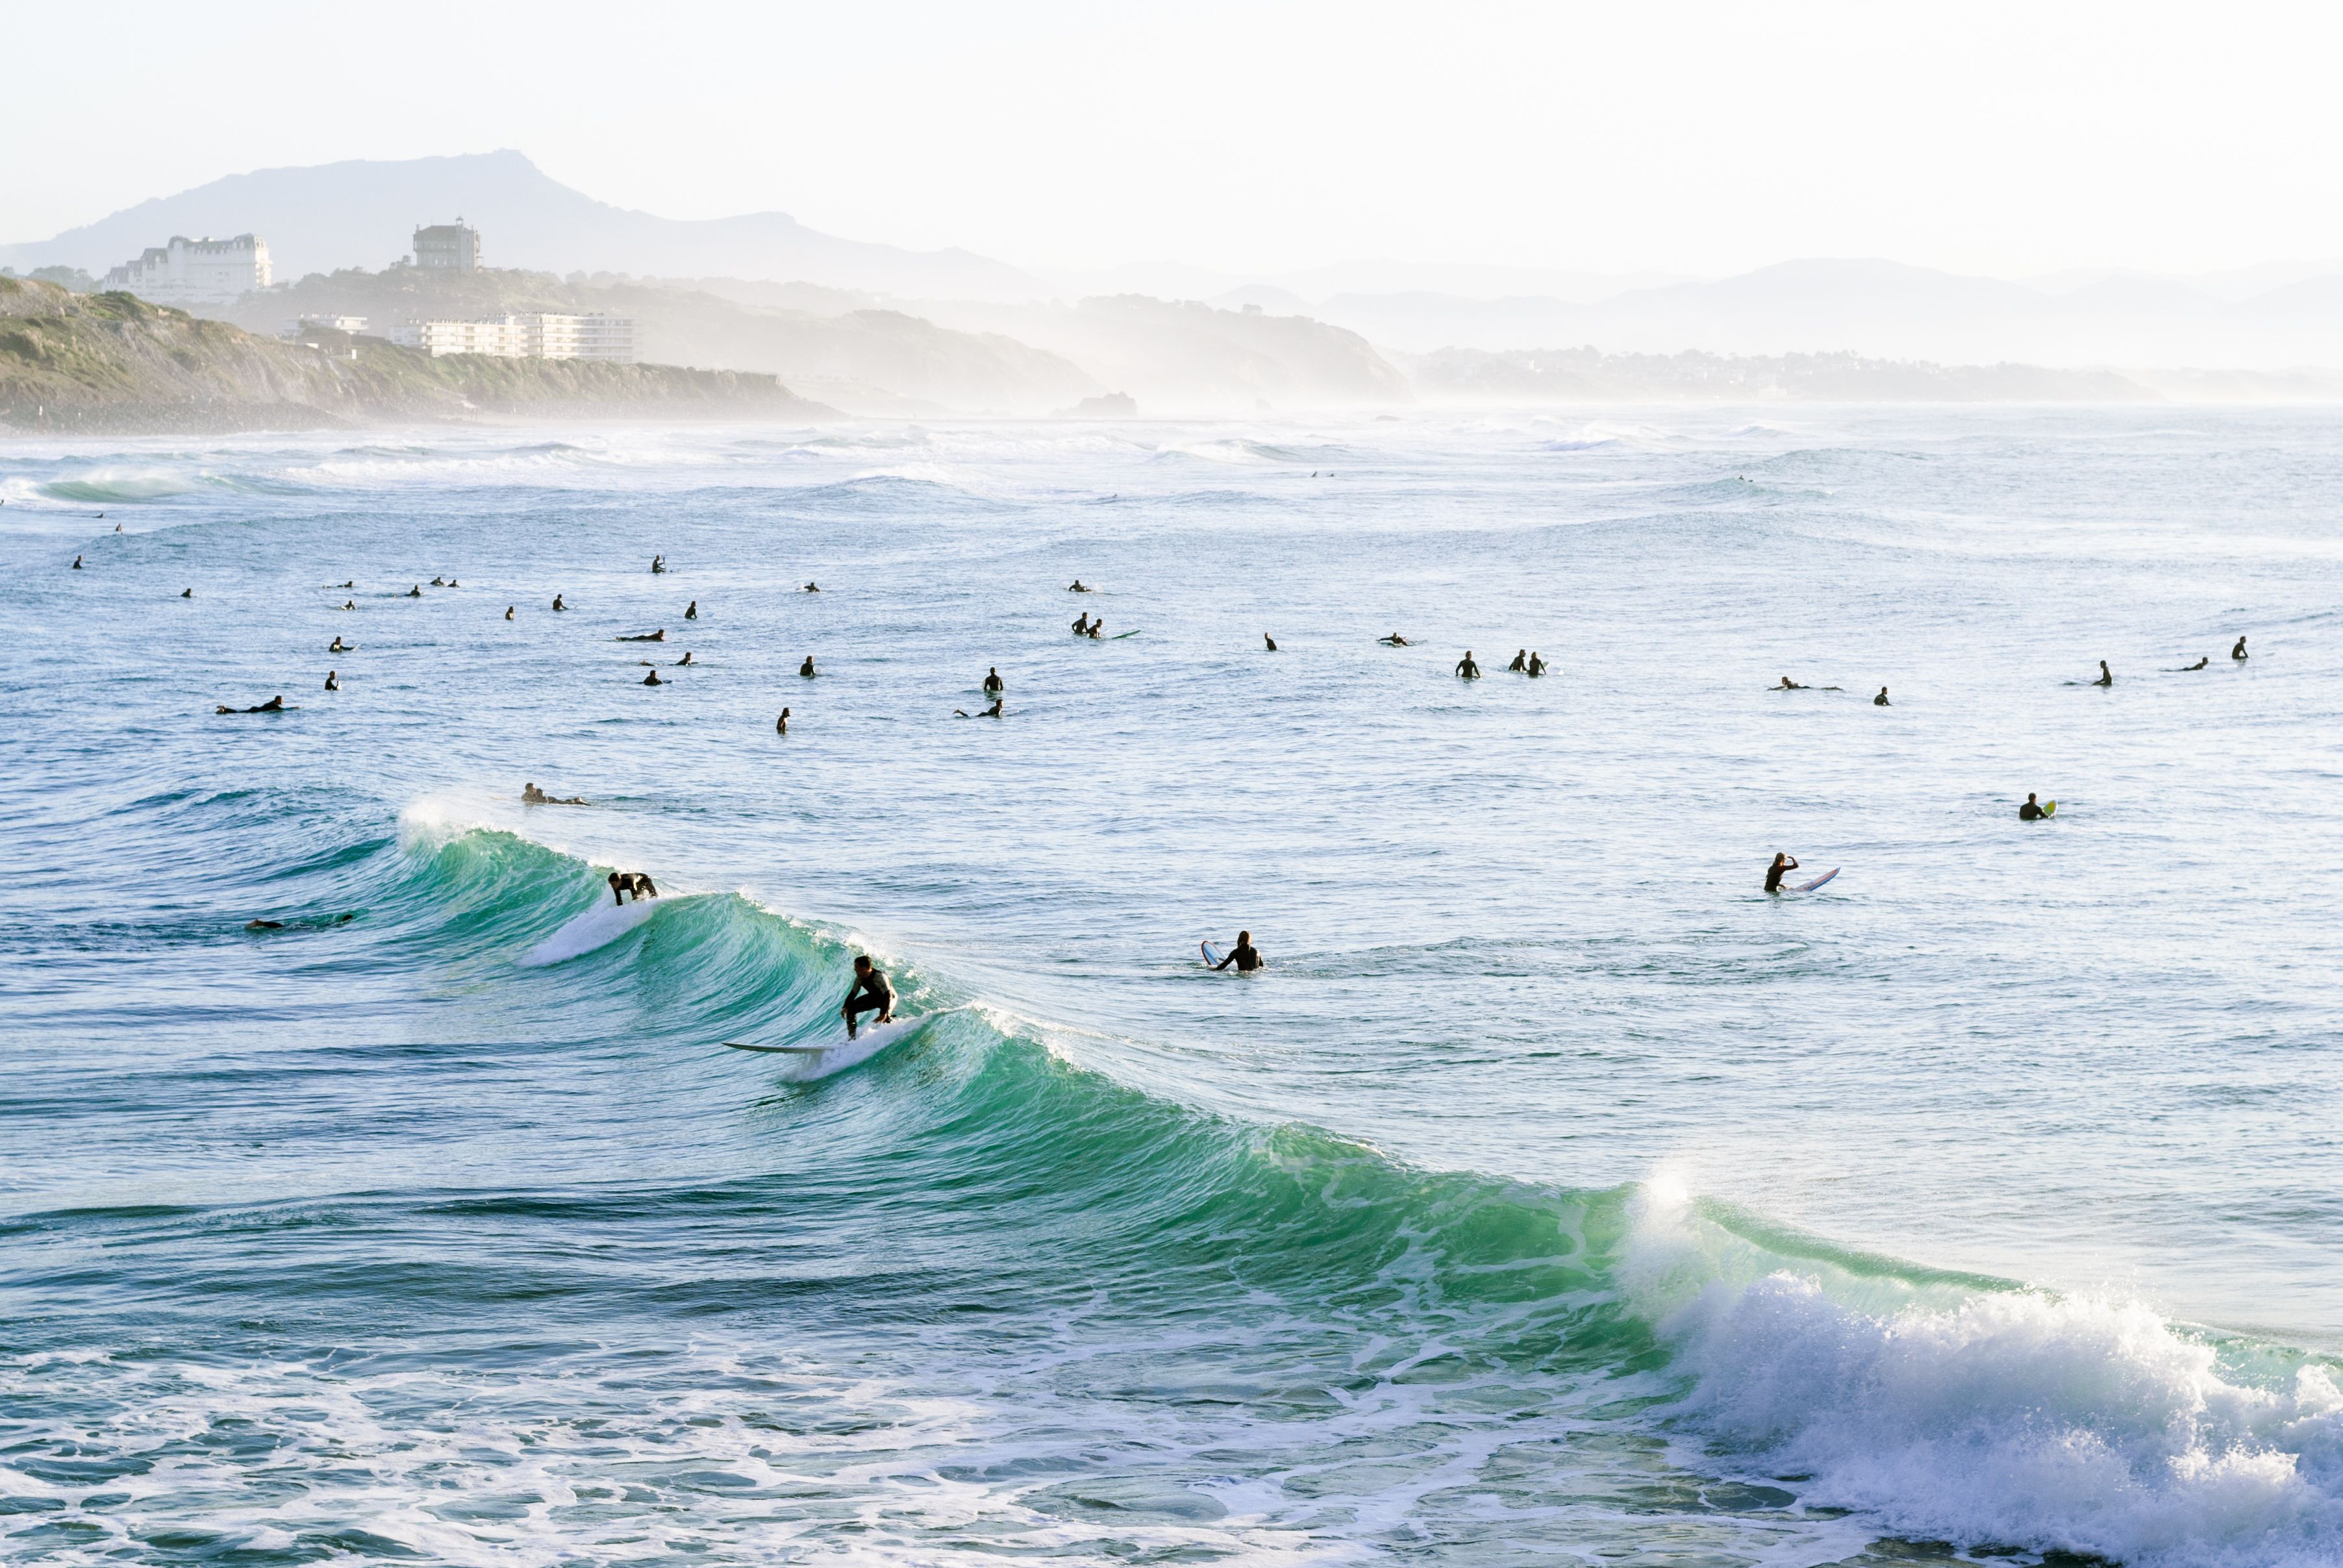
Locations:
{"points": [[624, 882], [869, 993]]}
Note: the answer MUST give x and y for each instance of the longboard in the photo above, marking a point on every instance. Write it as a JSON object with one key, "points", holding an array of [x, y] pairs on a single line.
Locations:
{"points": [[1818, 881]]}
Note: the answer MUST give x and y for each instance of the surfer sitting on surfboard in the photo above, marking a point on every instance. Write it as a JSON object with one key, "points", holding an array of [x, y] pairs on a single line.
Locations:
{"points": [[1782, 863], [2032, 813], [1244, 955], [869, 992]]}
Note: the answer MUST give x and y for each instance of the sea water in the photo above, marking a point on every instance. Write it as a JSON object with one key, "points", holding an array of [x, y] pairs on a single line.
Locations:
{"points": [[1555, 1195]]}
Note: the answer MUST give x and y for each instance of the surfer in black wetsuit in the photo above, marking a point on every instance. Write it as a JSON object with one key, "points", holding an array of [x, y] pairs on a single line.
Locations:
{"points": [[806, 669], [508, 610], [659, 564], [1393, 641], [1782, 863], [781, 725], [333, 680], [635, 882], [190, 593], [869, 993], [1881, 700], [691, 611], [2198, 664], [1270, 643], [991, 713], [1244, 955], [659, 636], [273, 705], [415, 592], [558, 604], [2030, 811], [2240, 651], [2107, 675], [653, 680], [1467, 670], [1789, 685], [1537, 666], [339, 647], [76, 563], [1076, 587], [1521, 665], [992, 682], [812, 588], [1083, 624], [1097, 627]]}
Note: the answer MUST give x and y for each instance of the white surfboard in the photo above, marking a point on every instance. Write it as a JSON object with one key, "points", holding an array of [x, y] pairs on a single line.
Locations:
{"points": [[1818, 881], [598, 927], [808, 1063], [1212, 955]]}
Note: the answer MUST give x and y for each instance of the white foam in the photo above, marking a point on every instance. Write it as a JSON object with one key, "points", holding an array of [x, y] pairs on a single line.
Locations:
{"points": [[1997, 1417], [597, 928]]}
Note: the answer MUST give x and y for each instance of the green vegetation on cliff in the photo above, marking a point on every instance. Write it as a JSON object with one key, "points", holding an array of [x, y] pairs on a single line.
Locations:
{"points": [[111, 362]]}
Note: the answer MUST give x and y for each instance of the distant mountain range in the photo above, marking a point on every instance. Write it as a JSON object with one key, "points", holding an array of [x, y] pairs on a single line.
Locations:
{"points": [[364, 214], [1882, 309]]}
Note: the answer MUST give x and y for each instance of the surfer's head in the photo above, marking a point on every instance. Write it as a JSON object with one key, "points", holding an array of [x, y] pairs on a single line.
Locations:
{"points": [[861, 963]]}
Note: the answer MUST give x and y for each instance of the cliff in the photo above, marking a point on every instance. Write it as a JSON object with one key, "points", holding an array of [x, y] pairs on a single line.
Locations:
{"points": [[74, 363]]}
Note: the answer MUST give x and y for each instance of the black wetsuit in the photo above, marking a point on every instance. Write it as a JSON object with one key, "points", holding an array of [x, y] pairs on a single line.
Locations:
{"points": [[2029, 813], [1773, 875], [869, 993], [1247, 957]]}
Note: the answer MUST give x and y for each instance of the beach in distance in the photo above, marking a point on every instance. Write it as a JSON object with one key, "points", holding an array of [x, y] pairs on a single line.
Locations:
{"points": [[1554, 1193]]}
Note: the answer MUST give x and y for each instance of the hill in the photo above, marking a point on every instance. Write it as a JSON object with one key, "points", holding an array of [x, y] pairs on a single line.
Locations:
{"points": [[1475, 378], [833, 343], [364, 213], [110, 362]]}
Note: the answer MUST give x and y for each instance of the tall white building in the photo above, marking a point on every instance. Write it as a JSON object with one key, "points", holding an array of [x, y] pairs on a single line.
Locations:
{"points": [[195, 271], [540, 335]]}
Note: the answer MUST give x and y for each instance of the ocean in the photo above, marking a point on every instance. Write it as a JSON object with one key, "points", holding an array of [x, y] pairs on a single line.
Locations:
{"points": [[1555, 1195]]}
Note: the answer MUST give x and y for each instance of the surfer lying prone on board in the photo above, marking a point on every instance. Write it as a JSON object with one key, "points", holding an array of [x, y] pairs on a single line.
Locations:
{"points": [[530, 795], [635, 882], [870, 992]]}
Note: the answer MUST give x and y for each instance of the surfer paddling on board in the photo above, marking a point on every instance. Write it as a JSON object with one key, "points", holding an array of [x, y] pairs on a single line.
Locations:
{"points": [[1244, 955], [530, 795], [869, 993], [1773, 873]]}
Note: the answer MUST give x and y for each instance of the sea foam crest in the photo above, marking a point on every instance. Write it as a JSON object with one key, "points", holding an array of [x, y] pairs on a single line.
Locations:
{"points": [[2011, 1417]]}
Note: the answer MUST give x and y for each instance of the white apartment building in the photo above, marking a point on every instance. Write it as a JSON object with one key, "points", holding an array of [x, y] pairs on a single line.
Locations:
{"points": [[538, 335], [498, 336], [599, 336], [195, 271], [353, 324]]}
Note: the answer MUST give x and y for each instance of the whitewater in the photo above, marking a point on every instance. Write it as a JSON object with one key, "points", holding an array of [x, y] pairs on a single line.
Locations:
{"points": [[1555, 1195]]}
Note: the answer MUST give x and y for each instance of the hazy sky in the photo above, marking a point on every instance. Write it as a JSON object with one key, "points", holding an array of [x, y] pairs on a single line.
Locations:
{"points": [[1689, 138]]}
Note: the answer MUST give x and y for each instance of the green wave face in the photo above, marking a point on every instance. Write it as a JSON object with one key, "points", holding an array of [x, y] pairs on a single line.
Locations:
{"points": [[973, 1209]]}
